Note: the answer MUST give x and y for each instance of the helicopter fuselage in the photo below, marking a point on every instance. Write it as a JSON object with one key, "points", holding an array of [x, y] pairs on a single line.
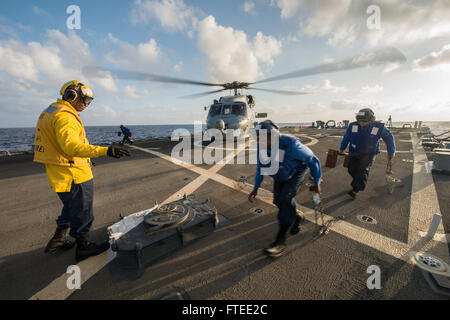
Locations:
{"points": [[232, 112]]}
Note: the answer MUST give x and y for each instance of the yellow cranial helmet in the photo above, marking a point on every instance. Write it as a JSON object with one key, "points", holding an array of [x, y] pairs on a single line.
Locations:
{"points": [[67, 85], [73, 90]]}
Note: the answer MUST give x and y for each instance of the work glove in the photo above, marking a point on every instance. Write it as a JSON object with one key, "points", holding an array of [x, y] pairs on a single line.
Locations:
{"points": [[253, 194], [117, 152], [389, 164], [315, 188]]}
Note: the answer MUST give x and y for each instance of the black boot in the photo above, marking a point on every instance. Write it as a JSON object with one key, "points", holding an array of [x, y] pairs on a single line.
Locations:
{"points": [[352, 194], [59, 241], [278, 247], [86, 249], [296, 226]]}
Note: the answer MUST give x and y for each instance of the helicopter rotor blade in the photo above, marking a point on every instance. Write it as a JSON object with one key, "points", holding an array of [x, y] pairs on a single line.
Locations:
{"points": [[98, 72], [202, 94], [375, 58], [289, 93]]}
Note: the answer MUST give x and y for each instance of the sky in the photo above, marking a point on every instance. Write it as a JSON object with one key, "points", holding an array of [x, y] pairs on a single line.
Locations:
{"points": [[222, 41]]}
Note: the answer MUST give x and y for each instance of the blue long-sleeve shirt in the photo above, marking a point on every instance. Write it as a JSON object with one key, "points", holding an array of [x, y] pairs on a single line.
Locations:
{"points": [[297, 157], [385, 134], [125, 130]]}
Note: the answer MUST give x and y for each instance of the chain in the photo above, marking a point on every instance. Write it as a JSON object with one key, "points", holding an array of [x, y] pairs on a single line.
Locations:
{"points": [[324, 227]]}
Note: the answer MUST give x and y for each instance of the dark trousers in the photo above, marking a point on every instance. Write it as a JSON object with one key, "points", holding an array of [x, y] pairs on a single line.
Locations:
{"points": [[125, 139], [359, 168], [284, 193], [78, 211]]}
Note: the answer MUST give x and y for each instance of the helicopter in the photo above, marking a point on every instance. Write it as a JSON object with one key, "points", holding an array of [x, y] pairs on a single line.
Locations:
{"points": [[238, 111]]}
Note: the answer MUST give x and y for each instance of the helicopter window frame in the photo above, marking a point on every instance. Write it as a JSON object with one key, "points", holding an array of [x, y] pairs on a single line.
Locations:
{"points": [[242, 110], [216, 108], [227, 109]]}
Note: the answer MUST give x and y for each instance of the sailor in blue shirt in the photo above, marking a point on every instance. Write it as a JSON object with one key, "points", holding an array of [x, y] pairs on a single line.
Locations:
{"points": [[363, 136], [294, 161], [126, 135]]}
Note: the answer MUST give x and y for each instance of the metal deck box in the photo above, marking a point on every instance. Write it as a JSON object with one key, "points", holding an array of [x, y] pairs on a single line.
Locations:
{"points": [[162, 231]]}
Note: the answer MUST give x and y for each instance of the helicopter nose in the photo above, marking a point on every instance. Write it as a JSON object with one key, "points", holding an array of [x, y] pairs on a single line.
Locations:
{"points": [[243, 125], [220, 125]]}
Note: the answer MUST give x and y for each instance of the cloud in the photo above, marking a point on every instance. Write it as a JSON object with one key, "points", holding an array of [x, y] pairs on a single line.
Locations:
{"points": [[143, 56], [349, 107], [343, 36], [249, 7], [53, 61], [178, 67], [411, 21], [321, 18], [289, 8], [326, 87], [173, 15], [434, 59], [36, 70], [266, 48], [21, 102], [106, 81], [342, 22], [7, 30], [292, 112], [101, 114], [109, 111], [348, 104], [24, 28], [39, 11], [132, 92], [230, 56], [16, 59], [371, 90]]}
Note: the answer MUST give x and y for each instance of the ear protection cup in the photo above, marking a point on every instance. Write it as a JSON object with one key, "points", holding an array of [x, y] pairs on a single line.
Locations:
{"points": [[70, 95], [74, 90], [371, 115]]}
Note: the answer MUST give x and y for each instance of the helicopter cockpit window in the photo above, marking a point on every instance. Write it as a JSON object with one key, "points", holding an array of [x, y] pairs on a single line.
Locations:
{"points": [[227, 109], [239, 109], [215, 110]]}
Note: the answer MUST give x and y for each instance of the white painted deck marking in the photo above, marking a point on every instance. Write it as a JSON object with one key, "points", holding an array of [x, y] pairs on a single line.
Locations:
{"points": [[424, 200], [57, 289], [441, 237], [312, 142]]}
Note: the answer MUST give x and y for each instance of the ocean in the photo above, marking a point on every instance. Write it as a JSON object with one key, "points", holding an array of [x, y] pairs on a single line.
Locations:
{"points": [[21, 139]]}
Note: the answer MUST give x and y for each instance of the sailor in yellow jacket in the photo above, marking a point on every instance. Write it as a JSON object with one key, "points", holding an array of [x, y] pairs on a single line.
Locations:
{"points": [[60, 143]]}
